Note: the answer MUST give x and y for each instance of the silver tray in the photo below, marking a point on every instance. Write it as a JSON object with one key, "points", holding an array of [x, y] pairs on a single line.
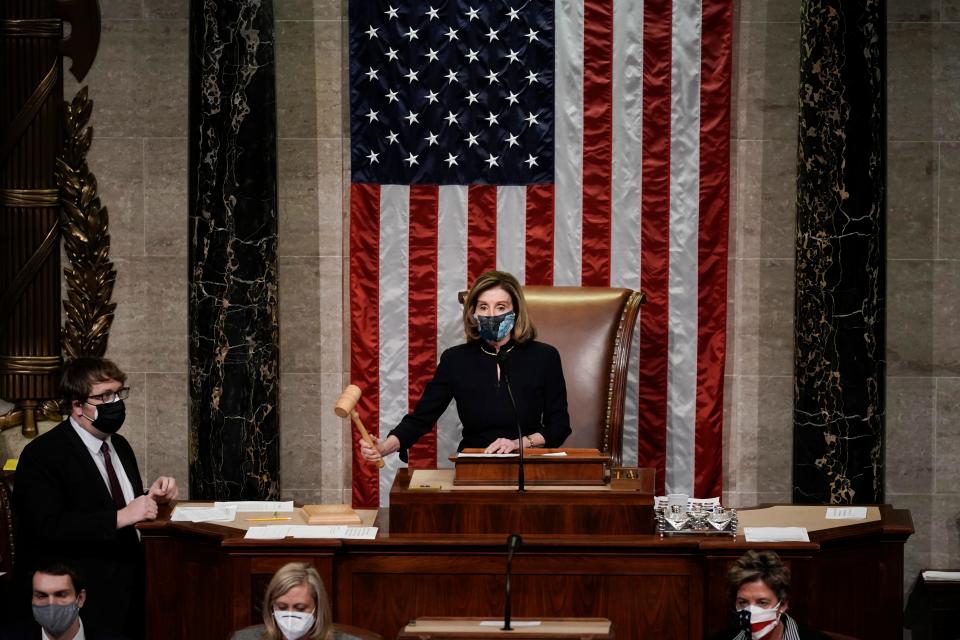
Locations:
{"points": [[716, 522]]}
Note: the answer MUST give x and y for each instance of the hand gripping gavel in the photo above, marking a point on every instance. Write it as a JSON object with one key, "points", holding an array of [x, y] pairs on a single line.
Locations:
{"points": [[346, 406]]}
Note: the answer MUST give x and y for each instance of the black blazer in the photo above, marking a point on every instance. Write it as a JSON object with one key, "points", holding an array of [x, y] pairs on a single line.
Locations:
{"points": [[32, 632], [64, 512]]}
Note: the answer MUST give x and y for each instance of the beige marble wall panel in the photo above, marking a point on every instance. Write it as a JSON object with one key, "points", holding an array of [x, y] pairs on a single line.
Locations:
{"points": [[948, 436], [913, 10], [909, 318], [949, 199], [912, 200], [945, 537], [910, 446], [768, 75], [769, 11], [297, 67], [765, 414], [167, 430], [334, 434], [332, 99], [298, 195], [118, 165], [135, 424], [910, 91], [765, 317], [946, 81], [736, 200], [950, 10], [767, 186], [330, 187], [331, 311], [121, 9], [731, 433], [165, 197], [166, 9], [138, 82], [150, 325], [308, 9], [300, 324], [946, 318], [300, 438]]}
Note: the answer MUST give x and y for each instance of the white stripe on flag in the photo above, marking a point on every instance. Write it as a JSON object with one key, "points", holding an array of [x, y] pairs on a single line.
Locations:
{"points": [[451, 279], [627, 116], [512, 230], [684, 242], [394, 268], [568, 142]]}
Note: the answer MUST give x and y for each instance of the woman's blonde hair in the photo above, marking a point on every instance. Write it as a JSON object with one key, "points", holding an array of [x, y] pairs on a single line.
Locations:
{"points": [[287, 577], [523, 328]]}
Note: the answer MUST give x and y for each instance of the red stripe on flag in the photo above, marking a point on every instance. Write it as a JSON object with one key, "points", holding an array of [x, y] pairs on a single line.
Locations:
{"points": [[481, 230], [597, 140], [714, 220], [364, 331], [655, 237], [540, 229], [422, 311]]}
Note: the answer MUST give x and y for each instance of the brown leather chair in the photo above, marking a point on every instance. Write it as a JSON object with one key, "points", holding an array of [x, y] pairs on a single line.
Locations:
{"points": [[592, 328]]}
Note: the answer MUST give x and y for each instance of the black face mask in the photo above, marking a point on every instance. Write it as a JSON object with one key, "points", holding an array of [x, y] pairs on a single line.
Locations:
{"points": [[109, 416]]}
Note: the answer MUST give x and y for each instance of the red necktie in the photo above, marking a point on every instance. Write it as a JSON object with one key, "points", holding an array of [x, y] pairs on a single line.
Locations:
{"points": [[115, 489]]}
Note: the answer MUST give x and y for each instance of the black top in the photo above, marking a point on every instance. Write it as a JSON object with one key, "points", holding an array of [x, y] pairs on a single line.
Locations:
{"points": [[467, 373]]}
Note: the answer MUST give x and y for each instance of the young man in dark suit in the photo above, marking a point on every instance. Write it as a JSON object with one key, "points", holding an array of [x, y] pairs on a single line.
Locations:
{"points": [[78, 493], [58, 600]]}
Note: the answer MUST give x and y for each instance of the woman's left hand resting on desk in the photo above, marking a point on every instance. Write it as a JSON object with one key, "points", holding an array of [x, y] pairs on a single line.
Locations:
{"points": [[506, 445]]}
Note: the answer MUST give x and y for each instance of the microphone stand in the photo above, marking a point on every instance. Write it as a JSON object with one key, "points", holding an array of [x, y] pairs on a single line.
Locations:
{"points": [[513, 543], [502, 363]]}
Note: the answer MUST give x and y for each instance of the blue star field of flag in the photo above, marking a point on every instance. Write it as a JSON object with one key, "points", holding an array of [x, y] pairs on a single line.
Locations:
{"points": [[452, 92]]}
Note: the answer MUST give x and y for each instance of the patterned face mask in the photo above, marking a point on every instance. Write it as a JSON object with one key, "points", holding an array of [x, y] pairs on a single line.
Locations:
{"points": [[759, 621], [495, 328]]}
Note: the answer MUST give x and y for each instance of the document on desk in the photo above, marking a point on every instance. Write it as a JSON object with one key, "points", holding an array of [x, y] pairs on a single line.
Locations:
{"points": [[258, 506], [941, 576], [776, 534], [307, 531], [515, 623], [846, 513], [203, 514]]}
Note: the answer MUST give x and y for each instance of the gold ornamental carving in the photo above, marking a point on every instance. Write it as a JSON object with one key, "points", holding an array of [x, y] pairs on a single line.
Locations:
{"points": [[90, 278]]}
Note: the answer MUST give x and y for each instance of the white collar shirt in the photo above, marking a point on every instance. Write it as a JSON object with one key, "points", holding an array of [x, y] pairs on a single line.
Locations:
{"points": [[93, 444]]}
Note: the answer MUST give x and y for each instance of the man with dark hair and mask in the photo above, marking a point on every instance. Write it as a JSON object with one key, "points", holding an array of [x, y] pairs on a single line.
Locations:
{"points": [[58, 597], [78, 493]]}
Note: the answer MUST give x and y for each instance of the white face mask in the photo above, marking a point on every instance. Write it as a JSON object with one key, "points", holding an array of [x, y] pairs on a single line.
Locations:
{"points": [[762, 621], [294, 624]]}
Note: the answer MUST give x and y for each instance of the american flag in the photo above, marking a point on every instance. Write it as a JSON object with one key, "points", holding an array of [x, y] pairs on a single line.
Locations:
{"points": [[577, 142]]}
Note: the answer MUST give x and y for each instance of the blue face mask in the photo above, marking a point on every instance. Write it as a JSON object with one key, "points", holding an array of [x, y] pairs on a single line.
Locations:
{"points": [[495, 328]]}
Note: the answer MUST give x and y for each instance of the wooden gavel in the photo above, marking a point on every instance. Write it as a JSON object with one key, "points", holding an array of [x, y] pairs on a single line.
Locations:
{"points": [[346, 406]]}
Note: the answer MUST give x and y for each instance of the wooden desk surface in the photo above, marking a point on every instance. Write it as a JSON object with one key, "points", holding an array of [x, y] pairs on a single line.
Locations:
{"points": [[549, 628]]}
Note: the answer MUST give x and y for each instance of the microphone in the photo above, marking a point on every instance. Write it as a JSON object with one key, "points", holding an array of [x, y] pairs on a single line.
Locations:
{"points": [[513, 543], [502, 358]]}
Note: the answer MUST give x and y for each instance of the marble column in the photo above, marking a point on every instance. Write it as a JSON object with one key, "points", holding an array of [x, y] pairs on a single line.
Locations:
{"points": [[234, 336], [840, 272]]}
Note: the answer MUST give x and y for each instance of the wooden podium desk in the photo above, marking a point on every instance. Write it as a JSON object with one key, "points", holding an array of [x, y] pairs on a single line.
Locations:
{"points": [[476, 629], [205, 580]]}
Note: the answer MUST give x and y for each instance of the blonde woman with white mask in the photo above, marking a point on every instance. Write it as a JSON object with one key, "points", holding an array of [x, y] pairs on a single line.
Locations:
{"points": [[295, 607]]}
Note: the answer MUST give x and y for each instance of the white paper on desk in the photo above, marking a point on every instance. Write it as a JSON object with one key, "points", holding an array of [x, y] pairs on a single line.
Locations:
{"points": [[487, 455], [776, 534], [941, 576], [846, 513], [203, 514], [360, 533], [267, 532], [257, 506], [552, 454], [513, 623]]}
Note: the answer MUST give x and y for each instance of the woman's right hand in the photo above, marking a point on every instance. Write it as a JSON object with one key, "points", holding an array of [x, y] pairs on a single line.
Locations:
{"points": [[379, 449]]}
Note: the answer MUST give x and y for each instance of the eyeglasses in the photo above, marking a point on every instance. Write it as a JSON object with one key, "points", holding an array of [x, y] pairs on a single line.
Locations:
{"points": [[111, 396]]}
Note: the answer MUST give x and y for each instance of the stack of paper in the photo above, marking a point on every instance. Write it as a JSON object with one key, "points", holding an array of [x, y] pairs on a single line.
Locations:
{"points": [[941, 576], [258, 506], [776, 534], [203, 514], [281, 531]]}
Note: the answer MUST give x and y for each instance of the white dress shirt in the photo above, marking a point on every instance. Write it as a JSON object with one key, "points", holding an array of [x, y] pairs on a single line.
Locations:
{"points": [[93, 443]]}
